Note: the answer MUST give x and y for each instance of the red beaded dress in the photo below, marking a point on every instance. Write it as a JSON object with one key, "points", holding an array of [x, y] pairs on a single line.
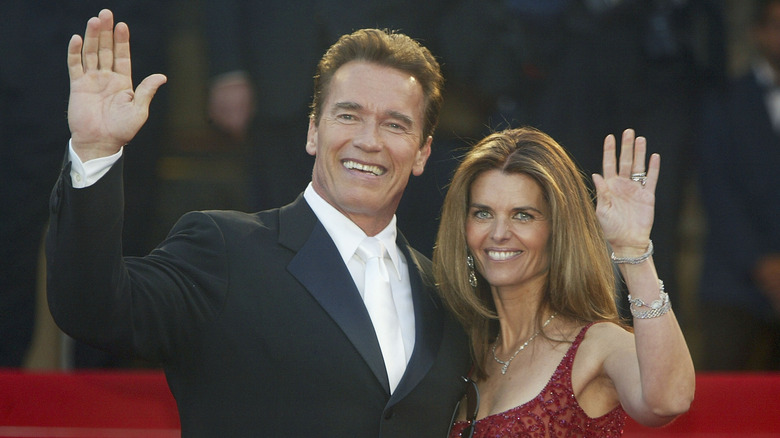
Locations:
{"points": [[553, 413]]}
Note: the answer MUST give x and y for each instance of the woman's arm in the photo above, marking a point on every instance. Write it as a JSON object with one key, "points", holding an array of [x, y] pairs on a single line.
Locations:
{"points": [[655, 378]]}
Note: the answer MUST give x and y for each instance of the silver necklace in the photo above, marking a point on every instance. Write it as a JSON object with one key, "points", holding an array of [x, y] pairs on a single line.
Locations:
{"points": [[505, 364]]}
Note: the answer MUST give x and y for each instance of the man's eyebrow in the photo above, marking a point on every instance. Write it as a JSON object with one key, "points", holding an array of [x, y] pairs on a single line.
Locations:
{"points": [[402, 117], [347, 105], [354, 106]]}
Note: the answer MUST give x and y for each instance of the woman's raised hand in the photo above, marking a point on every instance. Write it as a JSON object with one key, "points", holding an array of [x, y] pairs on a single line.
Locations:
{"points": [[626, 193]]}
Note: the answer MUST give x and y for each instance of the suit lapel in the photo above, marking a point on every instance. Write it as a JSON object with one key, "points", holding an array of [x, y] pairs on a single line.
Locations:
{"points": [[427, 320], [320, 269]]}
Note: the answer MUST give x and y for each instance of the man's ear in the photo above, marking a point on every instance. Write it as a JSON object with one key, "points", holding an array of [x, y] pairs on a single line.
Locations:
{"points": [[422, 157], [311, 138]]}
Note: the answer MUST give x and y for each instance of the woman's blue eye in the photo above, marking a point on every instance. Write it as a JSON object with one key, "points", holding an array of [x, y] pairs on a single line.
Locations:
{"points": [[523, 216]]}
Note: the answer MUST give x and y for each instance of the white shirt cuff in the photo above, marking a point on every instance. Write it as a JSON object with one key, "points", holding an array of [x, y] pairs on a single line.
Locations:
{"points": [[84, 174]]}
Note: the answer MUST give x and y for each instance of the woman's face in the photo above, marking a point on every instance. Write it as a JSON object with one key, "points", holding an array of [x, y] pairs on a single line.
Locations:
{"points": [[507, 229]]}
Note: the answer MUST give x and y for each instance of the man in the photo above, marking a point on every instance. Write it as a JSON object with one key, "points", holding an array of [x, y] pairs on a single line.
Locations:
{"points": [[740, 156], [258, 319]]}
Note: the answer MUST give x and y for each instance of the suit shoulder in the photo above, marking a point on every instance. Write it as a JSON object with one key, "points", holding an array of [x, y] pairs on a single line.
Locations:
{"points": [[231, 222], [234, 218]]}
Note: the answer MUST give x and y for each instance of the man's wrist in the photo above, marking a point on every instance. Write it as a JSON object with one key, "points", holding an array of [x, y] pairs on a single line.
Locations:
{"points": [[84, 173]]}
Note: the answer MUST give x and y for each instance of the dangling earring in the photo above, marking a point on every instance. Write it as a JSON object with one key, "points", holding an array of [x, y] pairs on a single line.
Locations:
{"points": [[472, 274]]}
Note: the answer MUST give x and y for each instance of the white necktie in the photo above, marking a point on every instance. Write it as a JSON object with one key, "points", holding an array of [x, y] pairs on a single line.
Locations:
{"points": [[379, 302]]}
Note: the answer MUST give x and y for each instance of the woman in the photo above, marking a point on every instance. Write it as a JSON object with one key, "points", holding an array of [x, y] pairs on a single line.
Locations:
{"points": [[522, 260]]}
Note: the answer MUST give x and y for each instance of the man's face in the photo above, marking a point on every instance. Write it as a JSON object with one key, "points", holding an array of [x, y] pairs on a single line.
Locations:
{"points": [[768, 36], [367, 142]]}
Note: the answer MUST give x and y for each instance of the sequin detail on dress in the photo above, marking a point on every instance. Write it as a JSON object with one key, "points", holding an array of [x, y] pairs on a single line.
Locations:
{"points": [[553, 413]]}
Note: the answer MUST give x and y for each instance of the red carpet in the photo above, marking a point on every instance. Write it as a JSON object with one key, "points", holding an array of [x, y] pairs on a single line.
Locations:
{"points": [[725, 405], [138, 404], [86, 404]]}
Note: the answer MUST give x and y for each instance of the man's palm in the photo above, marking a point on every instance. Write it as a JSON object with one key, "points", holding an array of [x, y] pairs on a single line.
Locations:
{"points": [[104, 113]]}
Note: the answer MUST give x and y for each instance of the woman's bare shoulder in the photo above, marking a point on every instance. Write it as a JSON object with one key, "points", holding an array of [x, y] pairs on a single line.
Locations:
{"points": [[602, 340]]}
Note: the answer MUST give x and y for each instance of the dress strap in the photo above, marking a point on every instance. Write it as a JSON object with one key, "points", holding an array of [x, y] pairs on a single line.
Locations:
{"points": [[568, 359], [581, 334]]}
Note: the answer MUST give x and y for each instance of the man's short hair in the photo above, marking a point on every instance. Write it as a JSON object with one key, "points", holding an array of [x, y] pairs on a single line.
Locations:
{"points": [[386, 48]]}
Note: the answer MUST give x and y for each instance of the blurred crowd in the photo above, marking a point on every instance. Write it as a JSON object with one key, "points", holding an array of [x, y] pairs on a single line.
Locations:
{"points": [[698, 78]]}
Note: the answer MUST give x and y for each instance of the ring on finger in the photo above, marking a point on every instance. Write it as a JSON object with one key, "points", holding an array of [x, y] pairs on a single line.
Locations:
{"points": [[640, 177]]}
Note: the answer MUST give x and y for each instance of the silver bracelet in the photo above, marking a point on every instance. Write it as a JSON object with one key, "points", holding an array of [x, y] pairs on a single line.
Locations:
{"points": [[656, 308], [634, 260]]}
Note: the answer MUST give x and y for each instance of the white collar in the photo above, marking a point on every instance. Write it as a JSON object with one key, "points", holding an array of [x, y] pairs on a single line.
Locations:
{"points": [[346, 234]]}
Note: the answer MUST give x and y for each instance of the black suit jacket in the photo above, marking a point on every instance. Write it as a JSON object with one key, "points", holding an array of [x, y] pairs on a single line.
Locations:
{"points": [[254, 317]]}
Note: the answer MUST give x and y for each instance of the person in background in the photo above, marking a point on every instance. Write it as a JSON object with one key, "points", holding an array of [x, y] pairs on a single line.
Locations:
{"points": [[268, 323], [522, 260], [738, 179]]}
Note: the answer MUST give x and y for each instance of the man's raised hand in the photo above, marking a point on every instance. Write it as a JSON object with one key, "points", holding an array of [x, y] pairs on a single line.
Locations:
{"points": [[104, 112]]}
